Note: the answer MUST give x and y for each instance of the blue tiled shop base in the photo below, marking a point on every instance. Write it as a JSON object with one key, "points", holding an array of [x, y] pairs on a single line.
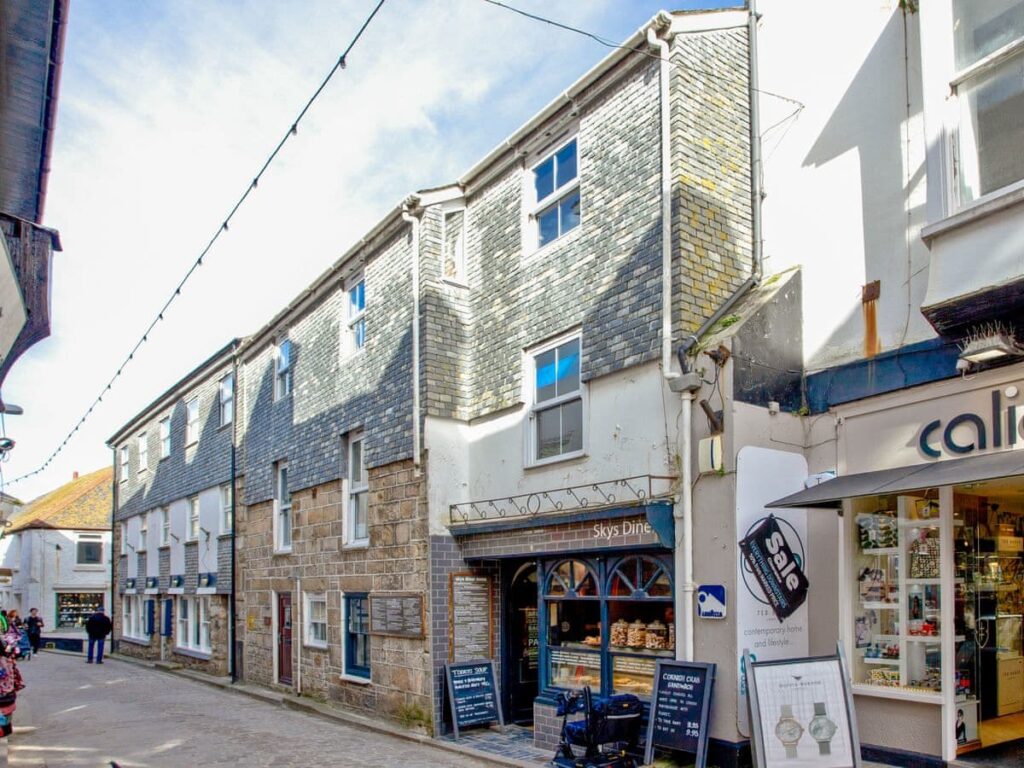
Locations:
{"points": [[516, 742]]}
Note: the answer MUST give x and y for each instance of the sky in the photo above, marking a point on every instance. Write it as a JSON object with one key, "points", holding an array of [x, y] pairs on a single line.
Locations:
{"points": [[168, 110]]}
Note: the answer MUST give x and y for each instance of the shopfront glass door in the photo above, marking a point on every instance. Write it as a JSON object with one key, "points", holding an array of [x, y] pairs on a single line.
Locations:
{"points": [[523, 667]]}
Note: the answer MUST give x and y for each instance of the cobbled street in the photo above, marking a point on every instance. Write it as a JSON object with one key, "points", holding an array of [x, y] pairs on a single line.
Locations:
{"points": [[75, 714]]}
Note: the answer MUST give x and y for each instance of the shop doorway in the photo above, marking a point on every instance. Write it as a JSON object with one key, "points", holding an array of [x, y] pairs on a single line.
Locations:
{"points": [[284, 638], [521, 667], [988, 546]]}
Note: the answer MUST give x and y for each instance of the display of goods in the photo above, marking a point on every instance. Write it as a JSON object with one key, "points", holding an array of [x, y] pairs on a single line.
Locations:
{"points": [[657, 636], [672, 636], [620, 633], [637, 634]]}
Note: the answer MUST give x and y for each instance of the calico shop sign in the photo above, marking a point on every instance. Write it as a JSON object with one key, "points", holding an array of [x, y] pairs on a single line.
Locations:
{"points": [[776, 568]]}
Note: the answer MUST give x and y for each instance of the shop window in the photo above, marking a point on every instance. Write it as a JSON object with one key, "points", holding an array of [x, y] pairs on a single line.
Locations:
{"points": [[609, 641], [897, 592], [74, 608], [988, 83], [357, 636]]}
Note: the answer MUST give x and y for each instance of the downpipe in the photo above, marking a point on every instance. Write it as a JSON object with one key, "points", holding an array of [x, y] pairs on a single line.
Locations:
{"points": [[410, 206]]}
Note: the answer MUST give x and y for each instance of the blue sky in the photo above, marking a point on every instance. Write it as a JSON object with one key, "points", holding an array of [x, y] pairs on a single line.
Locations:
{"points": [[166, 112]]}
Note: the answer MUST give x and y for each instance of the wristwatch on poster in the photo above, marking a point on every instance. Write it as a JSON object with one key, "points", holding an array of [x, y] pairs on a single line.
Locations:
{"points": [[822, 729], [788, 730]]}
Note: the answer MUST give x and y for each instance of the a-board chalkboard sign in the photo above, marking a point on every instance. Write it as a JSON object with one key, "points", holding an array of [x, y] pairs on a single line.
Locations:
{"points": [[397, 614], [680, 707], [473, 694]]}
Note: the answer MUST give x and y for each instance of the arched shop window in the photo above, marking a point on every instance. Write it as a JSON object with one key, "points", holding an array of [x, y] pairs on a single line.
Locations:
{"points": [[638, 578], [572, 579]]}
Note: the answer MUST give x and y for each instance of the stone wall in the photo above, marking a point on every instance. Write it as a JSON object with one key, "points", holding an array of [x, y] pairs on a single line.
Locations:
{"points": [[394, 561]]}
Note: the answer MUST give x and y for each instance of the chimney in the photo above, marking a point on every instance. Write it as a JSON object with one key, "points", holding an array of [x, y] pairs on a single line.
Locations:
{"points": [[74, 476]]}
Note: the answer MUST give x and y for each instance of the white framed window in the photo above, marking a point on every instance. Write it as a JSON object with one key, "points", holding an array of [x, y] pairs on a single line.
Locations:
{"points": [[143, 445], [134, 620], [193, 624], [355, 315], [282, 369], [226, 399], [165, 437], [988, 86], [143, 532], [558, 402], [282, 509], [192, 421], [192, 532], [124, 463], [315, 613], [357, 524], [89, 549], [227, 513], [553, 195], [122, 531], [165, 526], [453, 240]]}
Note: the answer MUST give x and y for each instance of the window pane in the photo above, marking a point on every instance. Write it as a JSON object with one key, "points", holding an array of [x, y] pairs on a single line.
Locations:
{"points": [[360, 526], [544, 178], [355, 461], [992, 130], [283, 494], [570, 212], [357, 298], [359, 334], [566, 158], [547, 225], [567, 378], [549, 434], [979, 28], [284, 355], [545, 375], [572, 426], [90, 552]]}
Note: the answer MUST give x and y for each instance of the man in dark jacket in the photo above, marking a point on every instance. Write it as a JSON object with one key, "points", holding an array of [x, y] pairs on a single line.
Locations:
{"points": [[98, 626]]}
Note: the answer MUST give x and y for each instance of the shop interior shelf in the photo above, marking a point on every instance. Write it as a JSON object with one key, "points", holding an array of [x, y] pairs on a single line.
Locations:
{"points": [[919, 524], [932, 639], [924, 582], [881, 551], [880, 606], [895, 661]]}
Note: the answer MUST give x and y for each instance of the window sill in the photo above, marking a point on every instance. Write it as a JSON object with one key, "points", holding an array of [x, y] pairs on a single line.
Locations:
{"points": [[192, 444], [456, 283], [355, 679], [316, 646], [900, 694], [93, 568], [165, 546], [984, 206], [192, 653], [223, 426], [225, 535], [135, 640], [556, 460], [352, 545], [283, 551]]}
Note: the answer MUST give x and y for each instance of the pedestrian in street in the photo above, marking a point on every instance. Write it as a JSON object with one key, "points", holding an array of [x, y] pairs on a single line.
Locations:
{"points": [[13, 618], [34, 627], [98, 626]]}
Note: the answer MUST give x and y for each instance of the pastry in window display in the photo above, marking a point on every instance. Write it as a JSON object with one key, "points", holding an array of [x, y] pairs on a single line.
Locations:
{"points": [[822, 729], [788, 730], [637, 636], [657, 636], [620, 633]]}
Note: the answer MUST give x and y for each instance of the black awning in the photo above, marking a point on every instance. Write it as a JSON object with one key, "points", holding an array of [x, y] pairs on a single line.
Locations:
{"points": [[970, 469]]}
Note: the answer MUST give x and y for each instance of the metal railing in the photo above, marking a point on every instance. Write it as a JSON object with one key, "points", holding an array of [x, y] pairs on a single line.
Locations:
{"points": [[625, 492]]}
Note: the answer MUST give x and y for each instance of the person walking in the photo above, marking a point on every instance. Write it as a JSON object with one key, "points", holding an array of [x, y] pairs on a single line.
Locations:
{"points": [[97, 626], [34, 627]]}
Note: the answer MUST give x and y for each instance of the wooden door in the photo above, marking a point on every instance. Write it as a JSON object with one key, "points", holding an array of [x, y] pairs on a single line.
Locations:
{"points": [[284, 638]]}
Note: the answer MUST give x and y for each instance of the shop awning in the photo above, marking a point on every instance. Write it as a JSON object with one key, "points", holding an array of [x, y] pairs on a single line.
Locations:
{"points": [[971, 469]]}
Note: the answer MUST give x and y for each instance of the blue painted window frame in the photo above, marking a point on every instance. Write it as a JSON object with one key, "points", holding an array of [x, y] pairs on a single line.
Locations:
{"points": [[361, 601]]}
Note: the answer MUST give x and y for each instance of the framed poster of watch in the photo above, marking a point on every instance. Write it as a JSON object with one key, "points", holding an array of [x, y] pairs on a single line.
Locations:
{"points": [[801, 712]]}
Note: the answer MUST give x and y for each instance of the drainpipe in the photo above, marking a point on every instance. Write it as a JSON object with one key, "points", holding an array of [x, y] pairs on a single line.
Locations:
{"points": [[666, 200], [113, 570], [411, 213], [232, 607], [297, 620]]}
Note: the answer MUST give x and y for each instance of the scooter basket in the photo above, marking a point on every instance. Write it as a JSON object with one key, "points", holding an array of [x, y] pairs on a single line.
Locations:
{"points": [[618, 718]]}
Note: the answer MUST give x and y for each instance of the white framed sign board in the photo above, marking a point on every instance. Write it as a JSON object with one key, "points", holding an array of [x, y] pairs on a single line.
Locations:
{"points": [[801, 712]]}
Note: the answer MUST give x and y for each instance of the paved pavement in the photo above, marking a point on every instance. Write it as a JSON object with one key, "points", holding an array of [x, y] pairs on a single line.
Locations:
{"points": [[77, 714]]}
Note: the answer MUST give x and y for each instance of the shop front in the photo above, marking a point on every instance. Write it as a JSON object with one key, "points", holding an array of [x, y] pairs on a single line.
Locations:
{"points": [[74, 608], [931, 493], [581, 598]]}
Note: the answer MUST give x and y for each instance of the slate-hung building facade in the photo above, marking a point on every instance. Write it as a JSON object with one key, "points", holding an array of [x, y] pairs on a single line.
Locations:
{"points": [[173, 522]]}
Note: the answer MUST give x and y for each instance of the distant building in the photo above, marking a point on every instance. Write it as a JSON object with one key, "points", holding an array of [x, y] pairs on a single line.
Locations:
{"points": [[56, 554]]}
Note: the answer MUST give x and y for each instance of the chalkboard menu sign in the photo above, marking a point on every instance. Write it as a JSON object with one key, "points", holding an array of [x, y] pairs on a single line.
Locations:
{"points": [[679, 708], [473, 694], [469, 617], [398, 614]]}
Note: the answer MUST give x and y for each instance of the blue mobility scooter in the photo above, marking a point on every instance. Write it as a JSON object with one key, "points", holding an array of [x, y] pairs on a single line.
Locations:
{"points": [[607, 734]]}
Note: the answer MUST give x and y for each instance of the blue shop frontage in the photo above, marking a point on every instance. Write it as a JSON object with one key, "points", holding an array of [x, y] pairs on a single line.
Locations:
{"points": [[560, 598]]}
